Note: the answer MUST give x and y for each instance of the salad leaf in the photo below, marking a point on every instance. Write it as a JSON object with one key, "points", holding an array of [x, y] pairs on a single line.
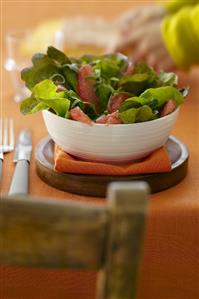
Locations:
{"points": [[154, 104], [52, 72], [89, 109], [162, 95], [133, 102], [111, 65], [57, 56], [47, 90], [43, 68], [135, 83], [86, 107], [129, 116], [88, 58], [133, 115], [72, 96], [104, 91], [156, 80], [120, 59], [59, 105], [44, 96], [143, 68], [108, 67], [58, 79], [75, 100], [143, 77], [144, 114], [70, 73], [31, 105]]}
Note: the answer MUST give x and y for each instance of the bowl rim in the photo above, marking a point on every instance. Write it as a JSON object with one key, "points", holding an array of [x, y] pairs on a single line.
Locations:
{"points": [[117, 125]]}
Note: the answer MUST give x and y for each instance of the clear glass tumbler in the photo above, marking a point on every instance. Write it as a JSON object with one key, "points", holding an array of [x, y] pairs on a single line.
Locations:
{"points": [[16, 60], [82, 35]]}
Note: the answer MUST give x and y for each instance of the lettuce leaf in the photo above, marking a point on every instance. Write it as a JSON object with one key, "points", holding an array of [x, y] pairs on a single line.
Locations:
{"points": [[70, 72], [88, 58], [86, 107], [104, 91], [45, 66], [133, 115], [144, 113], [111, 65], [145, 77], [134, 102], [57, 56], [47, 90], [142, 78], [44, 96], [161, 95], [135, 83], [31, 105], [147, 90], [143, 68]]}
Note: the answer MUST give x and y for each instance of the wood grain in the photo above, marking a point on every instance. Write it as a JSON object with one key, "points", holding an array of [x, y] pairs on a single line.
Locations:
{"points": [[128, 204], [48, 233]]}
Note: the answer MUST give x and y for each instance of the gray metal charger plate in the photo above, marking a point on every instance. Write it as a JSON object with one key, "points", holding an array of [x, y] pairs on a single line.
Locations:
{"points": [[96, 185]]}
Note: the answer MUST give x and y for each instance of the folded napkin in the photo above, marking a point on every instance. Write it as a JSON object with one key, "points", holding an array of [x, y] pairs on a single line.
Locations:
{"points": [[158, 161]]}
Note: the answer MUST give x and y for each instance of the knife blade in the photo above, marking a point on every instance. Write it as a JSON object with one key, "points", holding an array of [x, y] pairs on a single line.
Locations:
{"points": [[22, 155]]}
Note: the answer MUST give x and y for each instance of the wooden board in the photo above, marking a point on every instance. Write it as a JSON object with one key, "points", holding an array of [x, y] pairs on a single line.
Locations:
{"points": [[96, 185]]}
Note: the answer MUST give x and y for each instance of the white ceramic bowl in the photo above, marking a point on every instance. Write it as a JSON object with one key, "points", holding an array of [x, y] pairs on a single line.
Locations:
{"points": [[109, 143]]}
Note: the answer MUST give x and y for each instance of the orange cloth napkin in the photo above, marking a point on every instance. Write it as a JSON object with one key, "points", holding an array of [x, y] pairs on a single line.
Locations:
{"points": [[158, 161]]}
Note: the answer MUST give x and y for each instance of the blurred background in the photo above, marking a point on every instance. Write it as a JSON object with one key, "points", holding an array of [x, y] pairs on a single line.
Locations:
{"points": [[20, 14], [95, 27], [30, 26], [51, 14]]}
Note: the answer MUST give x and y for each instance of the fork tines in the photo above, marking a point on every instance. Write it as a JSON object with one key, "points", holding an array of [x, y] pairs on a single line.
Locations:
{"points": [[6, 136]]}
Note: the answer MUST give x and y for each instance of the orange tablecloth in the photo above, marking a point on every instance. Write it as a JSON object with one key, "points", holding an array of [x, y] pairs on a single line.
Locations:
{"points": [[170, 265]]}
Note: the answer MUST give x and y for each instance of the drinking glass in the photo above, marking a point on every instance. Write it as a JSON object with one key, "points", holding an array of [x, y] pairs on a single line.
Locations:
{"points": [[82, 35], [16, 60]]}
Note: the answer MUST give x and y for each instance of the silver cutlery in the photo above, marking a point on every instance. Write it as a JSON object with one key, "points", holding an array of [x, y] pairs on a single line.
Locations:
{"points": [[20, 180], [6, 139]]}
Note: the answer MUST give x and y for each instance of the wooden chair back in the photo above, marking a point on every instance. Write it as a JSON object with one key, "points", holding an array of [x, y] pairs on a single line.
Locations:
{"points": [[63, 234]]}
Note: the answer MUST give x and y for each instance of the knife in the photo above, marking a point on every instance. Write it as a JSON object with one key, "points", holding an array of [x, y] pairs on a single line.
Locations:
{"points": [[19, 184]]}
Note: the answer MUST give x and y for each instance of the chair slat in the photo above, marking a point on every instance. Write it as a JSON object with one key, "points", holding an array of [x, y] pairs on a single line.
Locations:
{"points": [[128, 207], [52, 233]]}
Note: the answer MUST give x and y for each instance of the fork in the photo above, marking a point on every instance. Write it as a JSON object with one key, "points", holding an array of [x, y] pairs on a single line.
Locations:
{"points": [[6, 138]]}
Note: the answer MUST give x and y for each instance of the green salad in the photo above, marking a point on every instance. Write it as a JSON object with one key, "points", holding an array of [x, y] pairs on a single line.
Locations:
{"points": [[106, 89]]}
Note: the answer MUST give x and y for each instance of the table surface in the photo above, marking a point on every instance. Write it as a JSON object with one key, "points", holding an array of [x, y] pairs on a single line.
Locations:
{"points": [[166, 208]]}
